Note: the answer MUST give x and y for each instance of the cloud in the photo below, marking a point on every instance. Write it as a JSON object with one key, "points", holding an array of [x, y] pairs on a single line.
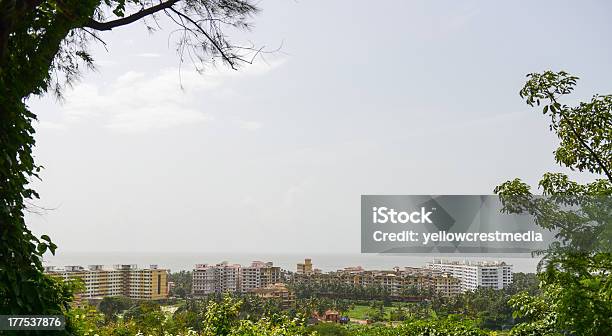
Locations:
{"points": [[250, 125], [444, 24], [296, 191], [50, 125], [148, 55], [140, 102]]}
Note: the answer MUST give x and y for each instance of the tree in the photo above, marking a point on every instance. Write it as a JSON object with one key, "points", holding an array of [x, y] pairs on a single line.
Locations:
{"points": [[110, 306], [182, 283], [575, 271], [221, 317], [43, 47], [397, 314], [148, 316], [524, 282]]}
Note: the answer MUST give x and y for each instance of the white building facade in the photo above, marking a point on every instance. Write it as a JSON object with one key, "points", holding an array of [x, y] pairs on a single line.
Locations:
{"points": [[229, 278], [472, 275], [219, 278]]}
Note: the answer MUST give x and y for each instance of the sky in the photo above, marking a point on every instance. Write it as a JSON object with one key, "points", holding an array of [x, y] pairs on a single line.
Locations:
{"points": [[392, 97]]}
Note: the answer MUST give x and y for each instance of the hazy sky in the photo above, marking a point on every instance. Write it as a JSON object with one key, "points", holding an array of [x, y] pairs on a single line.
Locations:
{"points": [[386, 97]]}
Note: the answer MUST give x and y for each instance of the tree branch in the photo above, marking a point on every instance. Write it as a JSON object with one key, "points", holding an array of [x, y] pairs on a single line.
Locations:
{"points": [[131, 18], [588, 148], [582, 142], [212, 41]]}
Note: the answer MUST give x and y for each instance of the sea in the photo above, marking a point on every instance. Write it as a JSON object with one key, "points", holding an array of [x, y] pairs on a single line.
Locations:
{"points": [[325, 262]]}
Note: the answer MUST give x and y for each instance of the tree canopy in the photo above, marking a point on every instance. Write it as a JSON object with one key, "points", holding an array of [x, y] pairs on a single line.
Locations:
{"points": [[575, 271]]}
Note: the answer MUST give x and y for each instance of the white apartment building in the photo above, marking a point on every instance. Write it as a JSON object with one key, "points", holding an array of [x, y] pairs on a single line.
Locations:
{"points": [[258, 275], [472, 275], [219, 278], [224, 277]]}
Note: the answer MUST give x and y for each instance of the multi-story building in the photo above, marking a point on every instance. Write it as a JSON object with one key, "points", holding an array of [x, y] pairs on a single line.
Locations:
{"points": [[119, 280], [400, 282], [219, 278], [476, 274], [146, 283], [276, 291], [258, 275], [224, 277], [403, 283], [305, 267]]}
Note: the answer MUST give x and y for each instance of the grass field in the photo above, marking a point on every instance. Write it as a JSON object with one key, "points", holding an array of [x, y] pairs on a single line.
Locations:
{"points": [[361, 312]]}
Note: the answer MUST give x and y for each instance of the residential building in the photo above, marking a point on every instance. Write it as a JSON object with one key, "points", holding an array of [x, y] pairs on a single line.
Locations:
{"points": [[171, 286], [276, 291], [496, 274], [219, 278], [305, 267], [400, 283], [409, 281], [224, 277], [258, 275], [118, 280]]}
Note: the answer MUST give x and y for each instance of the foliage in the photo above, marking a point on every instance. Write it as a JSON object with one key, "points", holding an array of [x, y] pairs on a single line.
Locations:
{"points": [[585, 131], [329, 329], [221, 317], [320, 305], [215, 317], [332, 287], [575, 271], [182, 283], [538, 317], [278, 325], [225, 316], [524, 282], [450, 327], [43, 47], [113, 305]]}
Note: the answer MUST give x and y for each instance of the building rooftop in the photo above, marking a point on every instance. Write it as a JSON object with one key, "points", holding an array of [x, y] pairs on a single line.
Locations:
{"points": [[96, 267], [469, 262]]}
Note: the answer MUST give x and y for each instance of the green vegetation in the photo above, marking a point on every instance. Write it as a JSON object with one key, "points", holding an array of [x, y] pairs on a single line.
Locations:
{"points": [[217, 316], [182, 284], [489, 308], [227, 315], [336, 289], [574, 273], [376, 311]]}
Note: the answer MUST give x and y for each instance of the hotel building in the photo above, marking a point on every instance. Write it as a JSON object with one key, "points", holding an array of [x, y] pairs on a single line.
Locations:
{"points": [[119, 280], [224, 277], [278, 291], [219, 278], [398, 282], [305, 267], [258, 275], [472, 275]]}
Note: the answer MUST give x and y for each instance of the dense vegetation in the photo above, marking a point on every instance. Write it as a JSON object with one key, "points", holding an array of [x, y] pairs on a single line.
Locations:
{"points": [[182, 283], [575, 271], [245, 315], [248, 314]]}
